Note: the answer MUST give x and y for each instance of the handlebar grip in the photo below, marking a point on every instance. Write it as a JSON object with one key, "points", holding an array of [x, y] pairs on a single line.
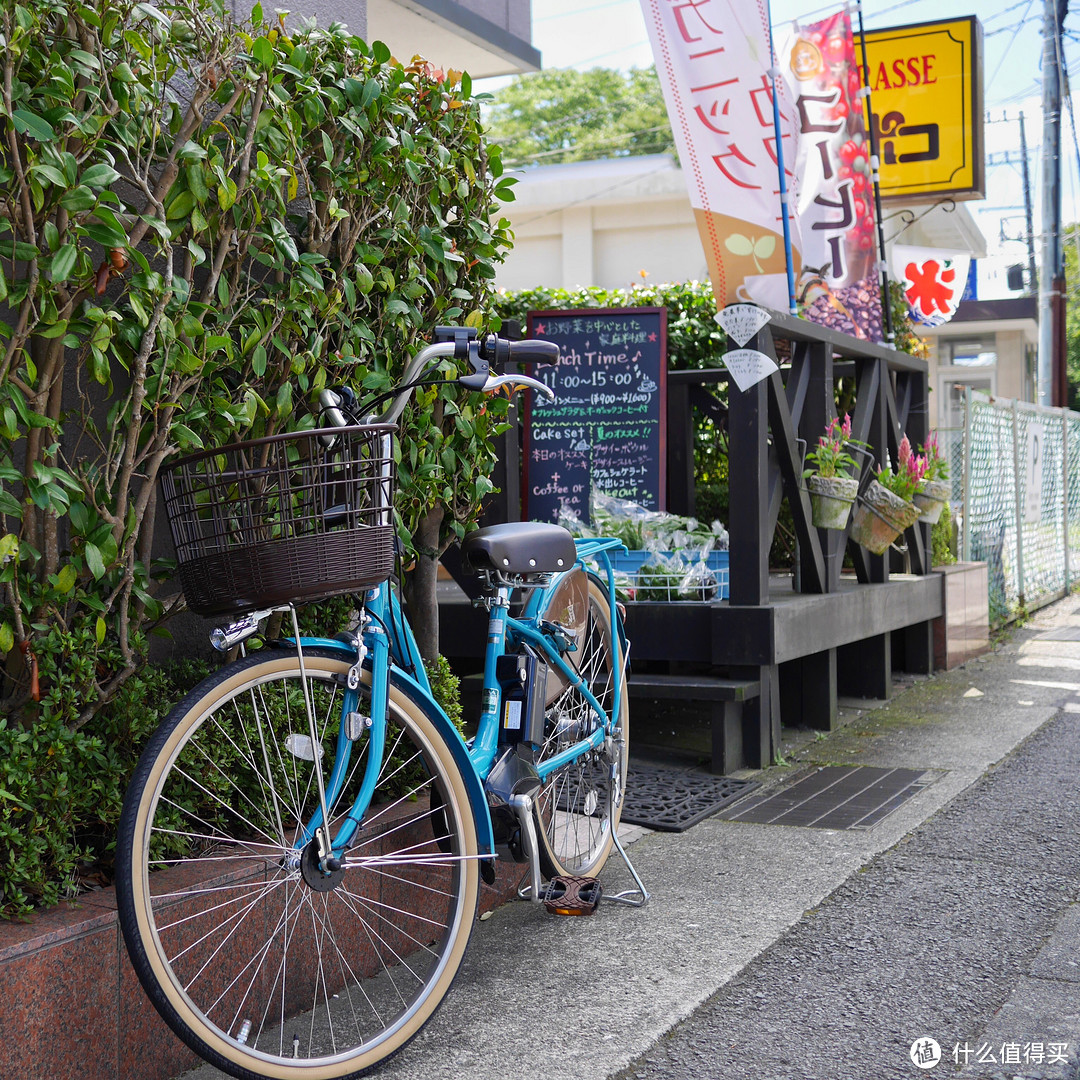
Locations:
{"points": [[534, 351], [498, 351]]}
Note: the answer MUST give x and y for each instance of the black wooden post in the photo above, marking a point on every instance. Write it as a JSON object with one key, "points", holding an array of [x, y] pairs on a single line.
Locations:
{"points": [[864, 668], [748, 487], [748, 429], [808, 691], [680, 449]]}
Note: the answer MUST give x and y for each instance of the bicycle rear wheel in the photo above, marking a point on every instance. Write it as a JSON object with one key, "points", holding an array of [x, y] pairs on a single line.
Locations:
{"points": [[579, 807], [262, 965]]}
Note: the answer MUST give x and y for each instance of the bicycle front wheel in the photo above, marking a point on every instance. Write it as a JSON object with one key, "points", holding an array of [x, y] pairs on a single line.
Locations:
{"points": [[579, 807], [262, 964]]}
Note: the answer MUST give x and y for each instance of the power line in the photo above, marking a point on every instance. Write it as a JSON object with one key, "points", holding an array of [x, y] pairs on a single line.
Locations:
{"points": [[1012, 41]]}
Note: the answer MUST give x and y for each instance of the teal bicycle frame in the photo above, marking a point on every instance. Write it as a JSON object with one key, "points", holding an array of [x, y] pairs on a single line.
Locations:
{"points": [[389, 651]]}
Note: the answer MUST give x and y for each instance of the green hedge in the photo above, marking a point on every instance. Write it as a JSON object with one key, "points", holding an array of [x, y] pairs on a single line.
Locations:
{"points": [[201, 225]]}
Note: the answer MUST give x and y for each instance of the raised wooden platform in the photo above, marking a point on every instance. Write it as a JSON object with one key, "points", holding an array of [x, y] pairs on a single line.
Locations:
{"points": [[752, 668]]}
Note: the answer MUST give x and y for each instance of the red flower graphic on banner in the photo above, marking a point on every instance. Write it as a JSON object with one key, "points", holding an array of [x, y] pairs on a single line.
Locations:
{"points": [[931, 288]]}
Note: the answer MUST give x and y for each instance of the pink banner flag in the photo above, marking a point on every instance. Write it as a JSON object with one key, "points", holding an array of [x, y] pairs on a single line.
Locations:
{"points": [[839, 286], [712, 57]]}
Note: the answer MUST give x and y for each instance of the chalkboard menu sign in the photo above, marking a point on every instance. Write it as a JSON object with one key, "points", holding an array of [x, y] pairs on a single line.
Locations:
{"points": [[606, 428]]}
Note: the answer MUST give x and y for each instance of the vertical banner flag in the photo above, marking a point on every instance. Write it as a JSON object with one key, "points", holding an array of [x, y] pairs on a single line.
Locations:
{"points": [[839, 286], [933, 281], [713, 60]]}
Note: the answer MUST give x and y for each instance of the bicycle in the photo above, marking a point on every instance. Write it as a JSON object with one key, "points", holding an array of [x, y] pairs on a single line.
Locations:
{"points": [[302, 844]]}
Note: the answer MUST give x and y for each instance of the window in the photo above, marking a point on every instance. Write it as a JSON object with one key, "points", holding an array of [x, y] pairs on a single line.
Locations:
{"points": [[976, 351]]}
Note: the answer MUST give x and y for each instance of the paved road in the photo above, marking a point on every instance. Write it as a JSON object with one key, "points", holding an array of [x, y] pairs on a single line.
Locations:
{"points": [[772, 951], [966, 932]]}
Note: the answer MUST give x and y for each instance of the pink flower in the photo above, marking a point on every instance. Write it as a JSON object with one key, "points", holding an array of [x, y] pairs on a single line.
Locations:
{"points": [[846, 429], [905, 451]]}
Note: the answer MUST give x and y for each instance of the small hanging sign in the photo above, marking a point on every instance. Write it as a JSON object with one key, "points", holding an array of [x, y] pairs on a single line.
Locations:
{"points": [[748, 366], [742, 321]]}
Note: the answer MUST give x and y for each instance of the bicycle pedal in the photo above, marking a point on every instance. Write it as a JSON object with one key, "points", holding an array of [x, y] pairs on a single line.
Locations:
{"points": [[571, 895]]}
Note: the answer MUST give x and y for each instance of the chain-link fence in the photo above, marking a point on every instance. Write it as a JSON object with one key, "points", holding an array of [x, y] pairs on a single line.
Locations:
{"points": [[1016, 480]]}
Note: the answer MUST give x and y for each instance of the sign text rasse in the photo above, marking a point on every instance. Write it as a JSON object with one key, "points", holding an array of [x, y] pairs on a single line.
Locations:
{"points": [[926, 95]]}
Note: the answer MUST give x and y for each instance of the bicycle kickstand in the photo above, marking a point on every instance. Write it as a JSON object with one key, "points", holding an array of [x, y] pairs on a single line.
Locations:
{"points": [[638, 897]]}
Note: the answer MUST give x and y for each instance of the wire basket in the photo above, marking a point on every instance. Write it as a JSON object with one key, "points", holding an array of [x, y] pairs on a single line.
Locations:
{"points": [[294, 517]]}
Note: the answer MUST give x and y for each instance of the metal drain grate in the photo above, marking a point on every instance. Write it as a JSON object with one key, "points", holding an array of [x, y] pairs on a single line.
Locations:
{"points": [[671, 800], [836, 797]]}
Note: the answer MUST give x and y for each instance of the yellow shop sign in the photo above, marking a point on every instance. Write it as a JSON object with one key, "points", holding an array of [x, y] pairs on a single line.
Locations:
{"points": [[926, 95]]}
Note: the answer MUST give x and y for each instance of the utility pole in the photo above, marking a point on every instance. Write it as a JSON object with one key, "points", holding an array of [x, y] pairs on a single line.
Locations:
{"points": [[1051, 279], [1033, 273]]}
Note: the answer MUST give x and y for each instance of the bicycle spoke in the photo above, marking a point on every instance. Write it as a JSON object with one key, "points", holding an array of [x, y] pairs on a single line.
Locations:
{"points": [[258, 949]]}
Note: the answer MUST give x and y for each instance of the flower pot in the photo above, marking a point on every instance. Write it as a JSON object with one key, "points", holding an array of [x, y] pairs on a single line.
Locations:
{"points": [[880, 517], [931, 499], [830, 500]]}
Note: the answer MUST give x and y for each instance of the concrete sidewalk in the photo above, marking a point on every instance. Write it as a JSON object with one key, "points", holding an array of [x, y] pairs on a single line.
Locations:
{"points": [[733, 907]]}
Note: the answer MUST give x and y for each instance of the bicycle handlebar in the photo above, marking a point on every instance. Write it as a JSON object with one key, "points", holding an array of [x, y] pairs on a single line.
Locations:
{"points": [[482, 355]]}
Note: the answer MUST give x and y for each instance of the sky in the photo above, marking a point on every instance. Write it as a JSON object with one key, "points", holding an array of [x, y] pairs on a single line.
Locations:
{"points": [[611, 33]]}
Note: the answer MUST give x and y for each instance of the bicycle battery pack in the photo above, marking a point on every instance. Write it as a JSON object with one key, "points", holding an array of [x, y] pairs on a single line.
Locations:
{"points": [[523, 677]]}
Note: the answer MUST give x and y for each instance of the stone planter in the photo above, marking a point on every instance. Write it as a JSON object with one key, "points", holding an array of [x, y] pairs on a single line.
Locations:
{"points": [[931, 499], [830, 500], [880, 518]]}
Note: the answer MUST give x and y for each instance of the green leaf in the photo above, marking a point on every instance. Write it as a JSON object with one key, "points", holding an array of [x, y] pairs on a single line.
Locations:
{"points": [[78, 199], [263, 52], [79, 516], [65, 580], [105, 235], [18, 250], [100, 175], [63, 263], [26, 123], [94, 561], [50, 173], [181, 206], [282, 240], [99, 630], [191, 151], [372, 90], [7, 643], [3, 286], [9, 547]]}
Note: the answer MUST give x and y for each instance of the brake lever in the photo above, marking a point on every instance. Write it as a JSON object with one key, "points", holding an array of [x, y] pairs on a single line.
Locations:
{"points": [[511, 384]]}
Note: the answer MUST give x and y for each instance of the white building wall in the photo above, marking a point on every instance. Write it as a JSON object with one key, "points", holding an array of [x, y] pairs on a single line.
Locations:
{"points": [[603, 222]]}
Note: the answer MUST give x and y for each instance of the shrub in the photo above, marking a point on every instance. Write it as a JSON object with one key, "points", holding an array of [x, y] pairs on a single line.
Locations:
{"points": [[201, 225]]}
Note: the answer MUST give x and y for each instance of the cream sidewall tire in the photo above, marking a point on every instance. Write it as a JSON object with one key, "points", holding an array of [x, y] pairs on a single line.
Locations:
{"points": [[549, 862], [406, 1026]]}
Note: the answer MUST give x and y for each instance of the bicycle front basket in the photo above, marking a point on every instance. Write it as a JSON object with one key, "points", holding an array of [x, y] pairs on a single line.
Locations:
{"points": [[285, 518]]}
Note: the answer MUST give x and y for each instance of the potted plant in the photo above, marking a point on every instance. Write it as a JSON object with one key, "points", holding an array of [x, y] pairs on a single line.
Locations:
{"points": [[934, 489], [830, 483], [887, 508]]}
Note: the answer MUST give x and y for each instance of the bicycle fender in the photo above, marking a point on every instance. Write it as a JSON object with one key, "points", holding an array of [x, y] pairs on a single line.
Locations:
{"points": [[485, 835]]}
